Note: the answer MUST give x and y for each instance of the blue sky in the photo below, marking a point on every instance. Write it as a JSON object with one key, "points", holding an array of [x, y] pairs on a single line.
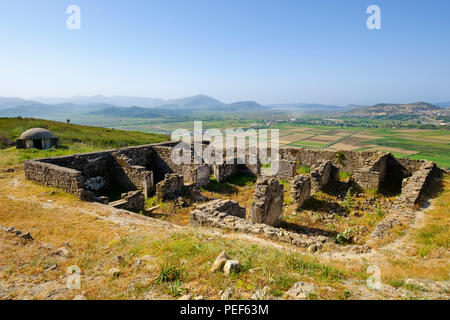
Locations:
{"points": [[267, 51]]}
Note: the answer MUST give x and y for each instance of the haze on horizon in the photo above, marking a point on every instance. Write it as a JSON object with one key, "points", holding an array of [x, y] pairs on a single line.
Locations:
{"points": [[270, 52]]}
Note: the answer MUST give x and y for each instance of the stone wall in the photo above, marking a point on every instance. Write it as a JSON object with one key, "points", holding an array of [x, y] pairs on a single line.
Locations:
{"points": [[198, 176], [51, 175], [132, 201], [267, 206], [132, 177], [225, 220], [171, 187], [223, 171], [322, 174], [414, 186], [300, 190]]}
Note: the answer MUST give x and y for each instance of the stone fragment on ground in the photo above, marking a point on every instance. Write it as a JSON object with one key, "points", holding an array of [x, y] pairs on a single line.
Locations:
{"points": [[230, 266], [301, 290], [220, 261], [227, 294], [114, 272]]}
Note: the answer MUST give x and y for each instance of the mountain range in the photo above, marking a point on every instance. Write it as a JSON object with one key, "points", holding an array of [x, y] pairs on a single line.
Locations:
{"points": [[141, 107]]}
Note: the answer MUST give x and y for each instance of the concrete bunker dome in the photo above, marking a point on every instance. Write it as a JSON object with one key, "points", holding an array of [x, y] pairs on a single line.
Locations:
{"points": [[38, 138]]}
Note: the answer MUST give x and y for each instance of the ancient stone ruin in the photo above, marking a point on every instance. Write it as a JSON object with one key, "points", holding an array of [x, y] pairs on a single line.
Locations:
{"points": [[171, 187], [125, 177], [267, 206], [300, 190]]}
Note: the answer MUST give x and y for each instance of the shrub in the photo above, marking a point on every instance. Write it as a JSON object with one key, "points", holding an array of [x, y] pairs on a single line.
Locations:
{"points": [[169, 273], [339, 157], [347, 203], [304, 170], [379, 210], [344, 175], [345, 237]]}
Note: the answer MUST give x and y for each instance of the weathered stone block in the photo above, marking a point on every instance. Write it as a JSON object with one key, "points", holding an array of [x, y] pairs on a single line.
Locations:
{"points": [[300, 190], [322, 174], [267, 206], [132, 201], [223, 171], [171, 187], [229, 207]]}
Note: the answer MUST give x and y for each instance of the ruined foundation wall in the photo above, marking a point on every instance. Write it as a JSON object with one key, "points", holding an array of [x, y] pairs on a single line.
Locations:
{"points": [[51, 175], [224, 220], [413, 187], [132, 201]]}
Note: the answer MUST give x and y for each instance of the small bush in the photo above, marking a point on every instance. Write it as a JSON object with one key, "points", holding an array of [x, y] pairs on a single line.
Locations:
{"points": [[304, 170], [344, 175], [169, 273], [339, 157], [345, 237], [348, 202], [379, 211]]}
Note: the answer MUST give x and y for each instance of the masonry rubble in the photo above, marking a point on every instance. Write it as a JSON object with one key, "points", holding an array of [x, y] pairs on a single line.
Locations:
{"points": [[233, 219]]}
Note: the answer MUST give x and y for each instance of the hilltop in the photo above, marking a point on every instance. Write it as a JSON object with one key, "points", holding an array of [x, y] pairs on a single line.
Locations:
{"points": [[401, 111], [74, 138]]}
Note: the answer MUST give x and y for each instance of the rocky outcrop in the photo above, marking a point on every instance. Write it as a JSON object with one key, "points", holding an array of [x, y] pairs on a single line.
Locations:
{"points": [[300, 190], [267, 206]]}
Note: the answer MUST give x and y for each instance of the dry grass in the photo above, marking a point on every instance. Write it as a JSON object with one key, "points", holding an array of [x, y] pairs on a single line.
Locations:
{"points": [[433, 238]]}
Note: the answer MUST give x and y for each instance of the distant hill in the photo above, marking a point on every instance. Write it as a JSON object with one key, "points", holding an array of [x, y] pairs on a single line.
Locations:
{"points": [[7, 103], [40, 110], [400, 111], [121, 101], [305, 106], [243, 106], [197, 101], [133, 112], [444, 104]]}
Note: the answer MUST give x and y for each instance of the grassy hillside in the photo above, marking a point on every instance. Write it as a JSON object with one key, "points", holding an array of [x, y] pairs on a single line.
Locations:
{"points": [[73, 138]]}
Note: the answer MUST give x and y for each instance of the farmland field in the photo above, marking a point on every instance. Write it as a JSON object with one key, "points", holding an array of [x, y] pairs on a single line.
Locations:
{"points": [[414, 143], [432, 145]]}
